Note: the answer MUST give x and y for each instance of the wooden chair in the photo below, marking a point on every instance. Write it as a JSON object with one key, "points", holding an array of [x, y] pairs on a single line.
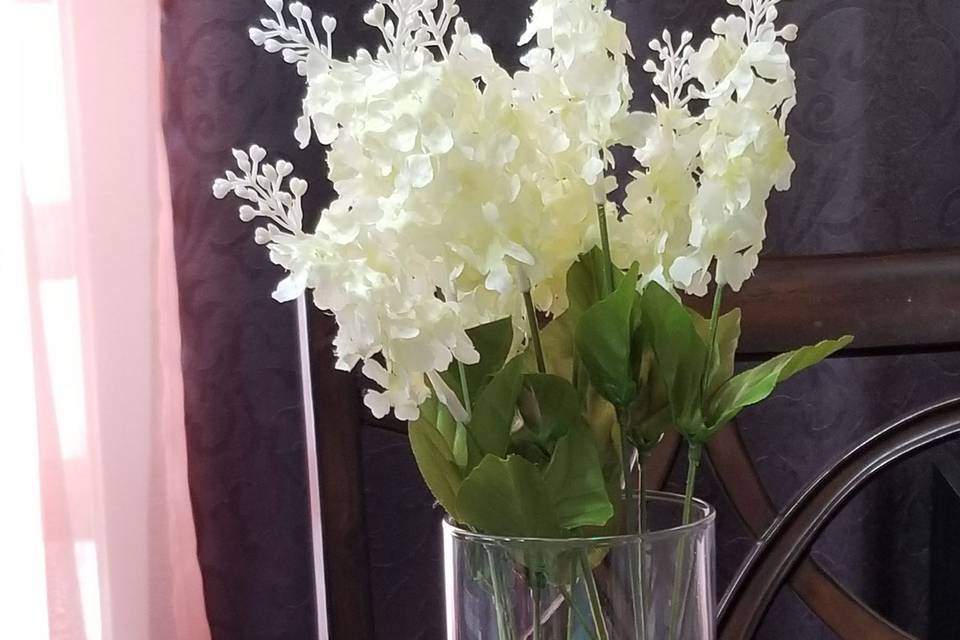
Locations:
{"points": [[893, 303]]}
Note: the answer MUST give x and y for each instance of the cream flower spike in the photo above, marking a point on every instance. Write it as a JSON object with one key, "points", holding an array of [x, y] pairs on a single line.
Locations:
{"points": [[673, 75]]}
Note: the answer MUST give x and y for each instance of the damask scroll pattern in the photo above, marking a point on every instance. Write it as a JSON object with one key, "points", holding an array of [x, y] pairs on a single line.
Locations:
{"points": [[244, 418]]}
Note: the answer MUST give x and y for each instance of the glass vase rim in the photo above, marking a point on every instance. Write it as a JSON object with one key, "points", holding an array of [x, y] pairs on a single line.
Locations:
{"points": [[707, 519]]}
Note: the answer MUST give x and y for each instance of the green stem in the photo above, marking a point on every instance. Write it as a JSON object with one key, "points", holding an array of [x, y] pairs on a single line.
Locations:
{"points": [[605, 245], [642, 490], [575, 612], [593, 594], [534, 331], [537, 595], [694, 452], [504, 630], [632, 488], [712, 344], [641, 613], [465, 388]]}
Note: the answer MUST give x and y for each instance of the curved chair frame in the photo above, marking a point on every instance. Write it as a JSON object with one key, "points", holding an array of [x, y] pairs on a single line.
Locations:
{"points": [[787, 541]]}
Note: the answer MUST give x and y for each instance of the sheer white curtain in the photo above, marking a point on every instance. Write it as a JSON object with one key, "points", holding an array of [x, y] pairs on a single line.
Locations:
{"points": [[96, 532]]}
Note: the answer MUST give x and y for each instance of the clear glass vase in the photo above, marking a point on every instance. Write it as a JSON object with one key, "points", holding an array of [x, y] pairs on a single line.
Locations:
{"points": [[658, 585]]}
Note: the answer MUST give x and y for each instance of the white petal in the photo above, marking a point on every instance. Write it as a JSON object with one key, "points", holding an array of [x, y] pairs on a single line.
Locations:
{"points": [[419, 170]]}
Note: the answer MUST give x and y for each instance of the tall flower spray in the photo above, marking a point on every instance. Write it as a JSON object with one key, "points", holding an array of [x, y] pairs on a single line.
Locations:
{"points": [[466, 213]]}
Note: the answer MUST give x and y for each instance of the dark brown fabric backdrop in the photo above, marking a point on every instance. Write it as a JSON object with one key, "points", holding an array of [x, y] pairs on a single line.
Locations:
{"points": [[877, 139]]}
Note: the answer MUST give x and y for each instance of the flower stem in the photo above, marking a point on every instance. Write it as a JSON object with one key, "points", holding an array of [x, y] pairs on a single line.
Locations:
{"points": [[605, 246], [575, 613], [504, 630], [537, 614], [534, 331], [641, 601], [694, 453], [464, 388], [712, 344], [593, 594]]}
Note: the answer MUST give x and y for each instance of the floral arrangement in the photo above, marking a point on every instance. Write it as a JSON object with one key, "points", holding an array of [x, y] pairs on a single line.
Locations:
{"points": [[530, 329]]}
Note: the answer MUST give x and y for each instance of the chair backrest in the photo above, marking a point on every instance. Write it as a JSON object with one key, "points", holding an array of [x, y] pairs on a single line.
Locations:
{"points": [[782, 550], [893, 303]]}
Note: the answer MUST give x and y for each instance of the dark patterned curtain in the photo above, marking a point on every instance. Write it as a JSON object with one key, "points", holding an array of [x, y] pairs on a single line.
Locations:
{"points": [[877, 141]]}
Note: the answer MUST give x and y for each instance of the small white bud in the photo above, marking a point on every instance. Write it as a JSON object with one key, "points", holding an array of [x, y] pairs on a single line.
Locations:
{"points": [[789, 32], [276, 5], [247, 213], [650, 66], [258, 37], [258, 153], [284, 168], [290, 56], [243, 160], [298, 187], [271, 46], [329, 24], [306, 13], [374, 17], [261, 236], [221, 188], [655, 45]]}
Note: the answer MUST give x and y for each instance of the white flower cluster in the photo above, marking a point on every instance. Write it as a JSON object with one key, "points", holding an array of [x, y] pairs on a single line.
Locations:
{"points": [[715, 149], [459, 187]]}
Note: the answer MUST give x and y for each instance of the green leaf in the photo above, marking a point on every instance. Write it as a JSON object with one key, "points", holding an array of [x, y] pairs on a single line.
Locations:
{"points": [[446, 424], [755, 385], [437, 464], [680, 356], [584, 289], [507, 497], [585, 284], [575, 481], [603, 339], [492, 341], [725, 350], [553, 407], [494, 409], [461, 450]]}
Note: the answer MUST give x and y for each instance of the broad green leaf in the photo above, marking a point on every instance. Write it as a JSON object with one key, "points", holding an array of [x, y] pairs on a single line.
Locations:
{"points": [[603, 339], [725, 350], [492, 341], [552, 407], [437, 464], [507, 497], [575, 481], [558, 347], [585, 284], [755, 385], [446, 424], [494, 408], [461, 448], [584, 289], [680, 355], [649, 415]]}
